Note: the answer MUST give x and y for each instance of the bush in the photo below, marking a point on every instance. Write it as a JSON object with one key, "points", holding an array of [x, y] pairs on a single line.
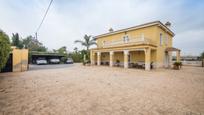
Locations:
{"points": [[86, 62], [177, 65], [5, 49], [79, 56]]}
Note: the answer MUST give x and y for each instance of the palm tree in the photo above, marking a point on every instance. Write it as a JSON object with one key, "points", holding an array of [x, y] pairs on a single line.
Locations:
{"points": [[16, 40], [87, 42], [76, 50]]}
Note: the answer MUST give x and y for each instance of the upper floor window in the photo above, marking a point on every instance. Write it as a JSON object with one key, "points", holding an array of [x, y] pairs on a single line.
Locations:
{"points": [[125, 38], [160, 37]]}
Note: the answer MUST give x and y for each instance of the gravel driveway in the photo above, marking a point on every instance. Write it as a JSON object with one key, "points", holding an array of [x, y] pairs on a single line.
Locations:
{"points": [[83, 90], [48, 66]]}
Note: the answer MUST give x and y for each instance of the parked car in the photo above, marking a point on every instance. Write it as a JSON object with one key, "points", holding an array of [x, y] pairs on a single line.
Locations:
{"points": [[69, 61], [41, 61], [54, 61]]}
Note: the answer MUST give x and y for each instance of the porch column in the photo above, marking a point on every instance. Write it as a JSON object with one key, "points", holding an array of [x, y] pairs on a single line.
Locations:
{"points": [[98, 58], [126, 53], [147, 58], [111, 58], [178, 56], [170, 59], [92, 58]]}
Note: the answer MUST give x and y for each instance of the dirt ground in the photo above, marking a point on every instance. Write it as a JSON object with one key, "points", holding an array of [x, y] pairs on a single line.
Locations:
{"points": [[83, 90]]}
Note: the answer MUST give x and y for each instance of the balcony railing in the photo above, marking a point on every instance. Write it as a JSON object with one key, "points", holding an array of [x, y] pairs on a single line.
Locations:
{"points": [[129, 41]]}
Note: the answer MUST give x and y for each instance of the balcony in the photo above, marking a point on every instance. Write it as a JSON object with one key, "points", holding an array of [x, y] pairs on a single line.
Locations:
{"points": [[129, 41]]}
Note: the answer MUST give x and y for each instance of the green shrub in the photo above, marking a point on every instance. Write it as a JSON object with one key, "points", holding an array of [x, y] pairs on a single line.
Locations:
{"points": [[5, 49], [177, 65]]}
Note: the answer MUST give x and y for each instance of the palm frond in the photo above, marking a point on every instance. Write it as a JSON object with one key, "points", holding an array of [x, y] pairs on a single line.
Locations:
{"points": [[92, 43], [87, 41]]}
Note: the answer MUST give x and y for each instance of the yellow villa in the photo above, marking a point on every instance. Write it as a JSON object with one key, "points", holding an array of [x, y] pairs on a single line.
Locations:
{"points": [[145, 46]]}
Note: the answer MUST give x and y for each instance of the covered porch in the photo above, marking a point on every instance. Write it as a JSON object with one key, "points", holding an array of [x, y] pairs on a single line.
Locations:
{"points": [[168, 56], [141, 58]]}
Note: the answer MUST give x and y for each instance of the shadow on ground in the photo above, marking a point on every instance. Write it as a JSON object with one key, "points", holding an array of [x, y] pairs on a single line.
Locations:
{"points": [[33, 67]]}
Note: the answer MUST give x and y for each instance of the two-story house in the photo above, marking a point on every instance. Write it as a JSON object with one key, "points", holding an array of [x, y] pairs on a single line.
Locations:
{"points": [[149, 44]]}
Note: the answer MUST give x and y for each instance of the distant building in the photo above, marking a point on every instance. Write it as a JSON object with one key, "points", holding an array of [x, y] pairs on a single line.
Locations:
{"points": [[188, 58]]}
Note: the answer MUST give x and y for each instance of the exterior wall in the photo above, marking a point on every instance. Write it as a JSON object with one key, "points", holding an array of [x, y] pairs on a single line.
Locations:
{"points": [[160, 57], [105, 57], [153, 58], [136, 56], [16, 60], [118, 56], [148, 32], [24, 60], [153, 55], [20, 60]]}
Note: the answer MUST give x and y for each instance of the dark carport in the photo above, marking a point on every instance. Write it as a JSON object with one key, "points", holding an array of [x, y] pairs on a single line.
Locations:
{"points": [[47, 56]]}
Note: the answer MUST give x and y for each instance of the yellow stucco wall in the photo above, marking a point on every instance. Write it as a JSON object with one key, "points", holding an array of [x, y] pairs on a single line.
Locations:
{"points": [[20, 60], [105, 57], [136, 56], [118, 56], [16, 60], [153, 56], [160, 55], [148, 32], [24, 60]]}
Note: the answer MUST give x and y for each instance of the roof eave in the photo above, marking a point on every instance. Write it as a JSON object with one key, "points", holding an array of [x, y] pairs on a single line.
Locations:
{"points": [[136, 27]]}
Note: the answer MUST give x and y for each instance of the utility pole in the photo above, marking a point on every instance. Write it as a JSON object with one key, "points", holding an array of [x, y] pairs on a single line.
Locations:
{"points": [[36, 35]]}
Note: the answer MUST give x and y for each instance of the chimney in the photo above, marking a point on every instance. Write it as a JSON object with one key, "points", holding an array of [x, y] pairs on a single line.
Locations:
{"points": [[168, 24], [111, 30]]}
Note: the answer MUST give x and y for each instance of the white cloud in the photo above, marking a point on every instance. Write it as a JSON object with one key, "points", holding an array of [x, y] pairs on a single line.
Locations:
{"points": [[70, 20]]}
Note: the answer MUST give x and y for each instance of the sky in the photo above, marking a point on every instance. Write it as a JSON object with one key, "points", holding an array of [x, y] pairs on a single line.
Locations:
{"points": [[70, 20]]}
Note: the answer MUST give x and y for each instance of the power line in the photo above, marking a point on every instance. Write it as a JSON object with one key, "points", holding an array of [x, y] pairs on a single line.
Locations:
{"points": [[43, 18]]}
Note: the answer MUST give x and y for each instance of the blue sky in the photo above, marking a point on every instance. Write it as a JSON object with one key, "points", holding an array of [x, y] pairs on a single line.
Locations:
{"points": [[69, 20]]}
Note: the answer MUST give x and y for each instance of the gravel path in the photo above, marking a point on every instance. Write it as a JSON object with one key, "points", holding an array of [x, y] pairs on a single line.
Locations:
{"points": [[83, 90]]}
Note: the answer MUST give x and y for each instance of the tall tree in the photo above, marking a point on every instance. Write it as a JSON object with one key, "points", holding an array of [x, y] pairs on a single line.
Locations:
{"points": [[62, 50], [4, 48], [76, 50], [202, 55], [16, 40], [33, 44], [87, 42]]}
